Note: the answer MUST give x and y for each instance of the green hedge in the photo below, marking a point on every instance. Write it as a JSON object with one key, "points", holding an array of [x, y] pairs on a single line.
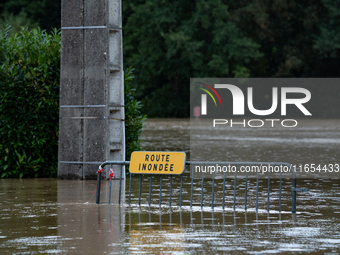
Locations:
{"points": [[133, 118], [29, 104]]}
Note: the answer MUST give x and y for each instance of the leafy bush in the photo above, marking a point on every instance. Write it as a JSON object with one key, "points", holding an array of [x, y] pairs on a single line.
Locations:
{"points": [[29, 103], [133, 118]]}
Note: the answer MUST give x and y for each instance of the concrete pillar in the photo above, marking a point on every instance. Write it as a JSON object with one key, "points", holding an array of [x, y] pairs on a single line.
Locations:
{"points": [[91, 129]]}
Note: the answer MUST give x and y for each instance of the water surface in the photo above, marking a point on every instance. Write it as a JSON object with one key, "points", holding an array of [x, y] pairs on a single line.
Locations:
{"points": [[44, 216]]}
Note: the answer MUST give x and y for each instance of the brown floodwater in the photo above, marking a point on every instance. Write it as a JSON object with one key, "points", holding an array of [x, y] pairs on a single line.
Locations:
{"points": [[49, 216]]}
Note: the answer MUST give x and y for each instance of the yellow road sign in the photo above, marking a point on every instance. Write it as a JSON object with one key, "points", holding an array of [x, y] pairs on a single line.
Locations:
{"points": [[157, 162]]}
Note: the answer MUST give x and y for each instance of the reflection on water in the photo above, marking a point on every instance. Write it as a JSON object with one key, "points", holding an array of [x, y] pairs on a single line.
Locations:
{"points": [[28, 216], [49, 216]]}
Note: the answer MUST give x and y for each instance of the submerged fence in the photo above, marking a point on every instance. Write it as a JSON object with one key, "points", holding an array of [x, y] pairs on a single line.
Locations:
{"points": [[294, 189]]}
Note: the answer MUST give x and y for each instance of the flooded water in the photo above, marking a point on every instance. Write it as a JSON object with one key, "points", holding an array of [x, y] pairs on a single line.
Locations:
{"points": [[47, 216]]}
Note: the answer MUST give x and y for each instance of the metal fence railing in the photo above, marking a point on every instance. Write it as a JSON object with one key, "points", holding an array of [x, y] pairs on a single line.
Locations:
{"points": [[294, 189]]}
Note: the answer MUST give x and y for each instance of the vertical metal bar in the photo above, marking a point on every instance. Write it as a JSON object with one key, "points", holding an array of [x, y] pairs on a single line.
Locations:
{"points": [[212, 197], [257, 224], [120, 218], [212, 218], [110, 192], [129, 219], [234, 216], [170, 220], [268, 193], [246, 191], [223, 192], [140, 188], [235, 191], [202, 190], [99, 177], [139, 219], [280, 191], [160, 191], [170, 190], [180, 194], [120, 183], [150, 189], [294, 193], [192, 184], [257, 191], [130, 189], [180, 217]]}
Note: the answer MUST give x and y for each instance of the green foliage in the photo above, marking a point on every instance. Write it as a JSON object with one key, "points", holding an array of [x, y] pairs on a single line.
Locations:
{"points": [[133, 118], [16, 22], [171, 41], [44, 13], [29, 103], [328, 41]]}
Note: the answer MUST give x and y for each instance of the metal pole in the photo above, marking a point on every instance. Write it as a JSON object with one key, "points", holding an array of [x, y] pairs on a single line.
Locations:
{"points": [[268, 193], [245, 195], [170, 190], [160, 191], [202, 190], [180, 194], [257, 190], [192, 184], [120, 183], [150, 189], [212, 197], [99, 177], [223, 192], [140, 188], [110, 190], [130, 189], [235, 190], [280, 191], [294, 193], [180, 217], [170, 220]]}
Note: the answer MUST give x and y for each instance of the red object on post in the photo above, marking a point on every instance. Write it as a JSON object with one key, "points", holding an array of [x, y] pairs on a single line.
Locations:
{"points": [[111, 173], [100, 170]]}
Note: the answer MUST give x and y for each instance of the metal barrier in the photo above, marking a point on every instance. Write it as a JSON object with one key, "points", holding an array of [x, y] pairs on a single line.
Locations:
{"points": [[192, 164]]}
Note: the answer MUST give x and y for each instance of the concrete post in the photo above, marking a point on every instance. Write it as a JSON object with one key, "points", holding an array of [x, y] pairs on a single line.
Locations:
{"points": [[91, 129]]}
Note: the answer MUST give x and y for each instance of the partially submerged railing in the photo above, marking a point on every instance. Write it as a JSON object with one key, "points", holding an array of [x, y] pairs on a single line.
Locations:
{"points": [[192, 164]]}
